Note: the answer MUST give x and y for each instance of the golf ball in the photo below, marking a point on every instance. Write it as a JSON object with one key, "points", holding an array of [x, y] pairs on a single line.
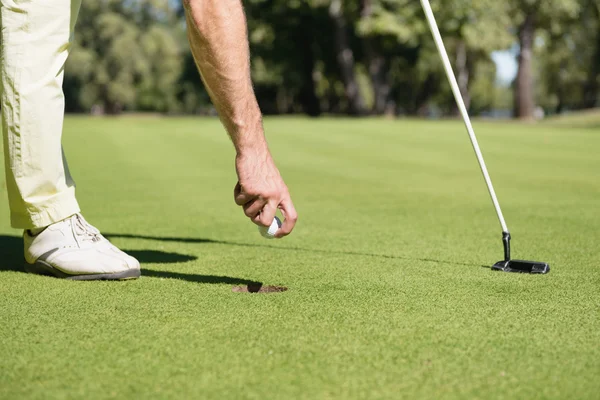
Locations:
{"points": [[269, 232]]}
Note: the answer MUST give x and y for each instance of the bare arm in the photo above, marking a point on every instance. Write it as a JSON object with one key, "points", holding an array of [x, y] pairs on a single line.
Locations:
{"points": [[218, 38]]}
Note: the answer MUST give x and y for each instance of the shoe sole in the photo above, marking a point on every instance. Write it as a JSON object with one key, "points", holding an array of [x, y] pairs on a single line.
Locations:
{"points": [[42, 268]]}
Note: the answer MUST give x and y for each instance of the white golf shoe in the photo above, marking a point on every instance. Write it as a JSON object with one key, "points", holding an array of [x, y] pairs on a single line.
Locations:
{"points": [[74, 249]]}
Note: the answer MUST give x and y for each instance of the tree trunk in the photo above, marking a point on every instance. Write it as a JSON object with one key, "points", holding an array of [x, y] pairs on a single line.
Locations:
{"points": [[424, 93], [378, 74], [560, 105], [345, 58], [462, 72], [524, 96], [308, 97], [591, 87], [377, 66], [560, 87]]}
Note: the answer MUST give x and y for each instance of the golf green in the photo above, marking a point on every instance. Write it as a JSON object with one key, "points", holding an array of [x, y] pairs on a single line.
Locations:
{"points": [[390, 294]]}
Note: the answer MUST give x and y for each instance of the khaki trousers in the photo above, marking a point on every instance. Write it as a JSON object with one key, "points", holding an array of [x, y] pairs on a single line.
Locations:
{"points": [[35, 40]]}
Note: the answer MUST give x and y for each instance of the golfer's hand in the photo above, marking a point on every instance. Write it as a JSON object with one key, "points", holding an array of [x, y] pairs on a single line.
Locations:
{"points": [[261, 191]]}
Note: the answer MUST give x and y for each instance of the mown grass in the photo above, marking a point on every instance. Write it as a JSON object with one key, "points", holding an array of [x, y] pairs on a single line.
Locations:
{"points": [[390, 292]]}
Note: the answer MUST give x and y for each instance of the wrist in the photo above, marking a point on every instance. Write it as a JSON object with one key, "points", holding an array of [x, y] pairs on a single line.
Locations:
{"points": [[252, 148], [249, 139]]}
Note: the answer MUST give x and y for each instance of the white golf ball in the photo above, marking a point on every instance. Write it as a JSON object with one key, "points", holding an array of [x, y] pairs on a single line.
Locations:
{"points": [[269, 232]]}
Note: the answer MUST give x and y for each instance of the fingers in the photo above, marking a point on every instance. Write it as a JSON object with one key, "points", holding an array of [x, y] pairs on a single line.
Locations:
{"points": [[261, 210], [267, 215], [253, 208], [240, 196], [291, 216]]}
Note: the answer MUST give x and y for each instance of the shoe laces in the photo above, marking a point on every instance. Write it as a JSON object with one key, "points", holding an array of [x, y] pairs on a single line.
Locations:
{"points": [[86, 231]]}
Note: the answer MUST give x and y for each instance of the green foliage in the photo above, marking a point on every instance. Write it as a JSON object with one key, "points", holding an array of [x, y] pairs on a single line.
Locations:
{"points": [[163, 66], [133, 55], [124, 57], [399, 19], [549, 13], [566, 57], [483, 89]]}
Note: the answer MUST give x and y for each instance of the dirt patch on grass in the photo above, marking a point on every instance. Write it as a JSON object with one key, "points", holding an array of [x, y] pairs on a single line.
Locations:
{"points": [[258, 288]]}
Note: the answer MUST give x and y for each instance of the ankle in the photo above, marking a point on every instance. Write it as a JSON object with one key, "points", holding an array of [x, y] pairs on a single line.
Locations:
{"points": [[36, 231]]}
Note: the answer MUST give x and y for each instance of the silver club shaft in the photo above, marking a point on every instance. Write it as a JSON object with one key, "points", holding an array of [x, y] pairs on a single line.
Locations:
{"points": [[461, 105]]}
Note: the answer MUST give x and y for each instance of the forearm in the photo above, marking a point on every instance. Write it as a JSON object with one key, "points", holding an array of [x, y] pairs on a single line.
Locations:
{"points": [[218, 38]]}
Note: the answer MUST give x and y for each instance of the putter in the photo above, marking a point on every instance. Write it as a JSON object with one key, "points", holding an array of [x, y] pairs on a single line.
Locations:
{"points": [[506, 265]]}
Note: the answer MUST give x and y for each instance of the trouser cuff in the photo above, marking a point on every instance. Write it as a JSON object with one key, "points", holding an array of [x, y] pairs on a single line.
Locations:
{"points": [[40, 216]]}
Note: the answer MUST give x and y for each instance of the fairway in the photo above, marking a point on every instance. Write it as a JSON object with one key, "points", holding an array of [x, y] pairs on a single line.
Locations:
{"points": [[390, 294]]}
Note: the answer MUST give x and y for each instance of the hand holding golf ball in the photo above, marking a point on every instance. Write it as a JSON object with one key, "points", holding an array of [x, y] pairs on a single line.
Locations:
{"points": [[261, 192], [270, 231]]}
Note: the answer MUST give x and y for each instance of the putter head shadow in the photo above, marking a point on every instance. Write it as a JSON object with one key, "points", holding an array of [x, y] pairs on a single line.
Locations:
{"points": [[520, 266]]}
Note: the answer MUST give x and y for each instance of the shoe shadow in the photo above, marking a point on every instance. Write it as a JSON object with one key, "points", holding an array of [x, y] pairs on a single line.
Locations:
{"points": [[11, 260], [11, 253]]}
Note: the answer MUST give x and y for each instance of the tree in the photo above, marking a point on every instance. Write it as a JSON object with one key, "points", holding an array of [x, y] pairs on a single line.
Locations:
{"points": [[473, 30], [345, 58], [124, 57], [342, 56], [394, 32], [591, 16], [284, 48], [528, 17]]}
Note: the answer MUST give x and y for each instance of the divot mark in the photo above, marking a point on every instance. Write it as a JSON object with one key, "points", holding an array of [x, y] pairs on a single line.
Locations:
{"points": [[258, 288]]}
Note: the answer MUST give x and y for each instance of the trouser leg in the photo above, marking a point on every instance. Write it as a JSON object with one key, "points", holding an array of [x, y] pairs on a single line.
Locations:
{"points": [[35, 37]]}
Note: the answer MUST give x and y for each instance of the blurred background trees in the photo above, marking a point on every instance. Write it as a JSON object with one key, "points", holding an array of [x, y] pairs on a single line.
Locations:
{"points": [[355, 57]]}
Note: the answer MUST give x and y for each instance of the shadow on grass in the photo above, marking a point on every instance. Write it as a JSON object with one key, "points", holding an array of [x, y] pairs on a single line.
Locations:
{"points": [[208, 279], [11, 259], [211, 241], [159, 257], [11, 253]]}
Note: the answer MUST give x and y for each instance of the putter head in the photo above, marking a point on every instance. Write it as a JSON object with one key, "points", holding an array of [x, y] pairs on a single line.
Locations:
{"points": [[525, 267]]}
